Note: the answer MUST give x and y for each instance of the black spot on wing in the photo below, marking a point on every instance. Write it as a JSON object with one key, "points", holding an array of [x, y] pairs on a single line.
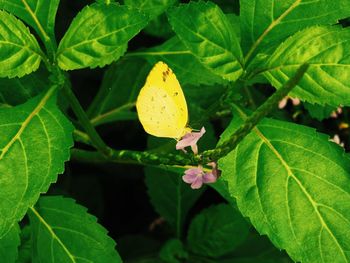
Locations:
{"points": [[166, 73]]}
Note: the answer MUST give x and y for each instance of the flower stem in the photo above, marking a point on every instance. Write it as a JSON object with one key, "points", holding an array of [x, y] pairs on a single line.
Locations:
{"points": [[134, 157], [230, 144], [85, 122]]}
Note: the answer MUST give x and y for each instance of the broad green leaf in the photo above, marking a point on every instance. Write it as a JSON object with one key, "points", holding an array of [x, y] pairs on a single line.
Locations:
{"points": [[173, 251], [152, 8], [326, 50], [118, 92], [203, 96], [207, 33], [9, 245], [228, 6], [170, 196], [155, 9], [25, 248], [63, 231], [294, 185], [319, 112], [185, 65], [256, 249], [159, 27], [217, 231], [20, 53], [35, 142], [235, 23], [39, 14], [99, 35], [265, 23], [25, 88], [221, 187]]}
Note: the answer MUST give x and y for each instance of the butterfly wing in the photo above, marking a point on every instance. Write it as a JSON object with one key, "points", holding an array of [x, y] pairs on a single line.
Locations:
{"points": [[161, 104]]}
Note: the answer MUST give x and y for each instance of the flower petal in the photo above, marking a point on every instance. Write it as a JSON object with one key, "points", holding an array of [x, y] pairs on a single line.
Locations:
{"points": [[190, 139], [197, 183], [191, 175], [209, 178]]}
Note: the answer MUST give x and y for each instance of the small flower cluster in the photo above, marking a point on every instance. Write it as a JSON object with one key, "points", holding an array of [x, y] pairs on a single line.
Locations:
{"points": [[196, 176]]}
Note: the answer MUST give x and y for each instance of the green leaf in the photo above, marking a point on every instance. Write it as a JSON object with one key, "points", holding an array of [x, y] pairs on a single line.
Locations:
{"points": [[203, 96], [228, 6], [26, 87], [326, 50], [25, 249], [235, 23], [294, 185], [20, 53], [152, 8], [207, 33], [118, 92], [159, 27], [170, 196], [155, 9], [35, 142], [62, 231], [319, 112], [98, 36], [9, 245], [217, 231], [173, 251], [39, 14], [187, 68], [257, 248], [221, 187], [265, 23]]}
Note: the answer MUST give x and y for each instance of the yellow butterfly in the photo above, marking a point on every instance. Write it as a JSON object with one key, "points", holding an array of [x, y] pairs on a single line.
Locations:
{"points": [[161, 104]]}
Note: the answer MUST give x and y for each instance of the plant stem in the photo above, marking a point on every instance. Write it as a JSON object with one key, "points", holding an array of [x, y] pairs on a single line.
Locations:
{"points": [[82, 137], [134, 157], [85, 122], [269, 105]]}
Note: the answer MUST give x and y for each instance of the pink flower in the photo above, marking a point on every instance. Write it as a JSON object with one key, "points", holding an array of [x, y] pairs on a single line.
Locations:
{"points": [[190, 139], [196, 177]]}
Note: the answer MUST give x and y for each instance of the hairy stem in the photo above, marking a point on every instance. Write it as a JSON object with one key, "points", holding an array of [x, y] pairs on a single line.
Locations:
{"points": [[134, 157]]}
